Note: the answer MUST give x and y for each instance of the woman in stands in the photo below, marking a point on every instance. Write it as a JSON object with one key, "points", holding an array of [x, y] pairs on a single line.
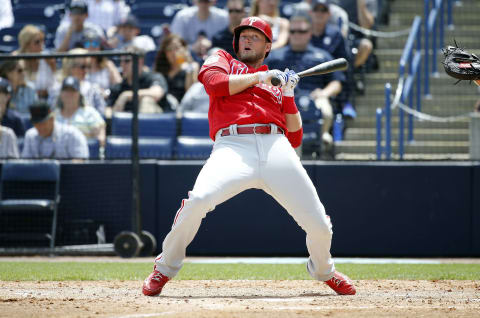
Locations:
{"points": [[269, 11], [175, 63], [103, 71], [78, 67], [38, 71], [72, 109], [23, 93]]}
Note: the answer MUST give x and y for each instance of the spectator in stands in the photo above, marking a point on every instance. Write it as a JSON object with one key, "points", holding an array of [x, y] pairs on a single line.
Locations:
{"points": [[78, 67], [51, 139], [69, 35], [6, 14], [23, 93], [270, 12], [152, 91], [9, 117], [328, 37], [338, 16], [128, 34], [8, 143], [175, 63], [360, 12], [72, 110], [103, 72], [224, 39], [198, 24], [40, 72], [300, 55]]}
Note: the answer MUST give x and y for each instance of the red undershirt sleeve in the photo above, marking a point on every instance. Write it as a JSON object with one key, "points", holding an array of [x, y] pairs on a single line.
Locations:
{"points": [[295, 138]]}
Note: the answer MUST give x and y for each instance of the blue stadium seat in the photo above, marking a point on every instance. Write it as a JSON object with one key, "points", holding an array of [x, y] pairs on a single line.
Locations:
{"points": [[194, 124], [148, 148], [29, 197], [150, 58], [149, 125], [193, 148], [94, 148], [36, 14], [8, 39], [312, 125]]}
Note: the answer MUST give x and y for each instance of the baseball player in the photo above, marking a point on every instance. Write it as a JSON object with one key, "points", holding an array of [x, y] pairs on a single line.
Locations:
{"points": [[255, 127]]}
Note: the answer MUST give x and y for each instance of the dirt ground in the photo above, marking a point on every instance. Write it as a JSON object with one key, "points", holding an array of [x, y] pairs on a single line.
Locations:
{"points": [[276, 299]]}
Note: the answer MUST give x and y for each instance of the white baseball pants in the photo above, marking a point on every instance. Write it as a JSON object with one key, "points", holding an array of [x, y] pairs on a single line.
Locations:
{"points": [[241, 162]]}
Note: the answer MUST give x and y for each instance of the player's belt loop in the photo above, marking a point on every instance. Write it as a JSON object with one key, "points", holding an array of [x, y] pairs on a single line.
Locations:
{"points": [[233, 129], [273, 129], [255, 129]]}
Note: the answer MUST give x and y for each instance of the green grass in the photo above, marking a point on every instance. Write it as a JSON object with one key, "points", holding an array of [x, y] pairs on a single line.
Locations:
{"points": [[61, 271]]}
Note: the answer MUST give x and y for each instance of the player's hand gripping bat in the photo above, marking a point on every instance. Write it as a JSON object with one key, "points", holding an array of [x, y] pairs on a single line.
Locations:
{"points": [[340, 64]]}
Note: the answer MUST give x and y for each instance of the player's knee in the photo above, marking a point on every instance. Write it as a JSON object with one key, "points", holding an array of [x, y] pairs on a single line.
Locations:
{"points": [[201, 201]]}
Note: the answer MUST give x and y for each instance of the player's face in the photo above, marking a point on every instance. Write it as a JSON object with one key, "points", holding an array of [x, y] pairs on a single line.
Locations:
{"points": [[252, 46]]}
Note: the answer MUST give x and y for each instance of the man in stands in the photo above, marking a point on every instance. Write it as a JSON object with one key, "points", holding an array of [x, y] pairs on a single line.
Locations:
{"points": [[70, 34], [224, 39]]}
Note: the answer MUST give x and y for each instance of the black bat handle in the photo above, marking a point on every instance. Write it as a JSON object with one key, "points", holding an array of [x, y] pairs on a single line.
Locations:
{"points": [[275, 81]]}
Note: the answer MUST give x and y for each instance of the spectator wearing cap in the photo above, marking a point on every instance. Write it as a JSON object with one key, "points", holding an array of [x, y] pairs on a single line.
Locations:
{"points": [[70, 33], [78, 67], [299, 55], [51, 139], [153, 88], [9, 117], [128, 34], [39, 72], [224, 39], [328, 37], [198, 24], [102, 72], [23, 93], [72, 110]]}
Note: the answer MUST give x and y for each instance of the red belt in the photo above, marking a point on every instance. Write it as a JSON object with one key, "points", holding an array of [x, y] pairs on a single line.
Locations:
{"points": [[256, 130]]}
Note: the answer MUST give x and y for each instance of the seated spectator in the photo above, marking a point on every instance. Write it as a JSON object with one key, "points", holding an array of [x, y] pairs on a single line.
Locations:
{"points": [[51, 139], [6, 14], [9, 117], [224, 39], [198, 24], [300, 55], [175, 63], [23, 93], [328, 37], [72, 110], [8, 144], [78, 67], [152, 91], [128, 34], [360, 12], [338, 16], [40, 72], [69, 35], [270, 12], [103, 72], [195, 99]]}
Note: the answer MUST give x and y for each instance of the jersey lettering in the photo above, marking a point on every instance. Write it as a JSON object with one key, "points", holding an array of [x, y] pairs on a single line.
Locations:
{"points": [[237, 67]]}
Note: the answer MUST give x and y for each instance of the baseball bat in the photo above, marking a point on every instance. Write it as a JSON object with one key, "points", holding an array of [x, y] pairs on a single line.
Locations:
{"points": [[340, 64]]}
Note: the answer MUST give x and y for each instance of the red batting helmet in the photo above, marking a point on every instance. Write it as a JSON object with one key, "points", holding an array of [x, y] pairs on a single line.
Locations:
{"points": [[255, 23]]}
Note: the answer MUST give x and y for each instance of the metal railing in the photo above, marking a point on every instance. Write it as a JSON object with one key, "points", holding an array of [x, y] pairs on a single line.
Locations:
{"points": [[409, 84]]}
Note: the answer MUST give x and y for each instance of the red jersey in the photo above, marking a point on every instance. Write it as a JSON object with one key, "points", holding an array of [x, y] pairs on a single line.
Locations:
{"points": [[260, 104]]}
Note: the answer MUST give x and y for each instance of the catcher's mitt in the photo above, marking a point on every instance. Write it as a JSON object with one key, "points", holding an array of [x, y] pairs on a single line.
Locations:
{"points": [[461, 64]]}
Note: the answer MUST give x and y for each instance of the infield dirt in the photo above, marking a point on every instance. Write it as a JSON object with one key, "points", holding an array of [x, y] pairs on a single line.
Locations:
{"points": [[276, 299]]}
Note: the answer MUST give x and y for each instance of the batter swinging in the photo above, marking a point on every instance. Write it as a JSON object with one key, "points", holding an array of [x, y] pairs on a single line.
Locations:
{"points": [[255, 127]]}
